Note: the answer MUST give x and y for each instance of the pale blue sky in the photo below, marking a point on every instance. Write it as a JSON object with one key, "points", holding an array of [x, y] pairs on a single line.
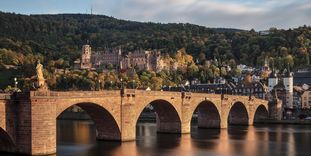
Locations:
{"points": [[244, 14]]}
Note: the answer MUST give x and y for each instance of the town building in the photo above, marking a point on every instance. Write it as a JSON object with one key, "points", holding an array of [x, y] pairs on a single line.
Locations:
{"points": [[264, 33], [217, 88], [306, 100], [297, 97], [245, 69], [246, 87], [302, 77], [250, 87]]}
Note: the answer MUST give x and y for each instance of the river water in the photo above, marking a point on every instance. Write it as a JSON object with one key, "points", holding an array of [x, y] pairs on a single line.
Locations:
{"points": [[78, 138]]}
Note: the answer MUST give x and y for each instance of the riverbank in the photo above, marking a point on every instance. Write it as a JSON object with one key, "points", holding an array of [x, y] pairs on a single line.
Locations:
{"points": [[291, 122]]}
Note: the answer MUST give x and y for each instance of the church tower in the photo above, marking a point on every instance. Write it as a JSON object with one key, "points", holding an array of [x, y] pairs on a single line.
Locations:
{"points": [[86, 62]]}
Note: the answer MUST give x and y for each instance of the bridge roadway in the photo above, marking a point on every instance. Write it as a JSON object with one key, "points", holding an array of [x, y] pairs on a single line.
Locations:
{"points": [[28, 120]]}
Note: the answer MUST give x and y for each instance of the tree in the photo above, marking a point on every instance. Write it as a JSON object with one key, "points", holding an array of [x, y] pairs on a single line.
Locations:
{"points": [[156, 83], [202, 57]]}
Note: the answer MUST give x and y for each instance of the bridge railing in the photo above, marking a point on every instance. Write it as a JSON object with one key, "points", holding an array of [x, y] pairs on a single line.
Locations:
{"points": [[5, 96], [74, 93], [126, 93], [161, 93]]}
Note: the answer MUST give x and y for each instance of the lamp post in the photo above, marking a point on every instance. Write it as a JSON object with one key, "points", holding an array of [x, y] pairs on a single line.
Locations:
{"points": [[133, 84], [99, 85], [65, 85], [15, 83], [110, 85], [121, 83]]}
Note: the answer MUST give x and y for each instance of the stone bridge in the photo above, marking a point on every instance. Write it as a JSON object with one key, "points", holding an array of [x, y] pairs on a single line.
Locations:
{"points": [[28, 120]]}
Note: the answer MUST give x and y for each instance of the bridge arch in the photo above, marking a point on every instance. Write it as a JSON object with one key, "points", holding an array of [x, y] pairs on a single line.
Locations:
{"points": [[6, 142], [105, 123], [238, 114], [261, 112], [167, 117], [208, 115]]}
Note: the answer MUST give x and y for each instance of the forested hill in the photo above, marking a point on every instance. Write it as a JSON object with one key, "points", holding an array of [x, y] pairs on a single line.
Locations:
{"points": [[61, 36]]}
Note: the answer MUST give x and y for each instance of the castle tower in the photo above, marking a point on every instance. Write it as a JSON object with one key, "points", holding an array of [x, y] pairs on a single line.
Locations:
{"points": [[288, 83], [86, 62], [272, 80]]}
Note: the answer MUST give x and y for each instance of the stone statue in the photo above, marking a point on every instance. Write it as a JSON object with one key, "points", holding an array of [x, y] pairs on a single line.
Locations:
{"points": [[39, 70], [40, 77]]}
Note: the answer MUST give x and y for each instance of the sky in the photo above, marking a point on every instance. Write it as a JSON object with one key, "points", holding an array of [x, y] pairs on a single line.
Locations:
{"points": [[241, 14]]}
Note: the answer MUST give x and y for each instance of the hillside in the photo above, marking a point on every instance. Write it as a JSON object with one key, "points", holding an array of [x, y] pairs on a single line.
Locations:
{"points": [[57, 40], [64, 34]]}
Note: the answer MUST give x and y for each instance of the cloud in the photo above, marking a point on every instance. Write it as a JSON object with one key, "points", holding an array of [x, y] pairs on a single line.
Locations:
{"points": [[245, 14]]}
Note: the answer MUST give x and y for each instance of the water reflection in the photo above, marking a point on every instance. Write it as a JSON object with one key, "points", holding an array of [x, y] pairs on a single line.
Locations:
{"points": [[78, 138], [81, 132], [205, 138]]}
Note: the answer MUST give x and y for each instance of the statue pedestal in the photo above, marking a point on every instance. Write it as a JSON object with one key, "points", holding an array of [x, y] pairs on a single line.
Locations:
{"points": [[43, 88], [41, 85]]}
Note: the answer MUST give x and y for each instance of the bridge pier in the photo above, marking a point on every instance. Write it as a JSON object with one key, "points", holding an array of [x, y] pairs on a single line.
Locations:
{"points": [[224, 122], [251, 118], [185, 128], [43, 127], [128, 122]]}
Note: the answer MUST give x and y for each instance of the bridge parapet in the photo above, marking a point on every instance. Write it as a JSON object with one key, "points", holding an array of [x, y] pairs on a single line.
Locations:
{"points": [[158, 93], [205, 94], [5, 96], [71, 94]]}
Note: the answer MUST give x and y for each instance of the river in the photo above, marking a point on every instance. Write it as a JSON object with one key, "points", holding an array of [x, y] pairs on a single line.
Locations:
{"points": [[77, 138]]}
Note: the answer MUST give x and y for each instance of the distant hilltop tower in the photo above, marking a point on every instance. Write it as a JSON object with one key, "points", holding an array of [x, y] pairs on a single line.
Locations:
{"points": [[86, 57]]}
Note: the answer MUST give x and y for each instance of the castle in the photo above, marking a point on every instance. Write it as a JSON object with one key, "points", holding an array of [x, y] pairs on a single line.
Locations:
{"points": [[139, 59]]}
